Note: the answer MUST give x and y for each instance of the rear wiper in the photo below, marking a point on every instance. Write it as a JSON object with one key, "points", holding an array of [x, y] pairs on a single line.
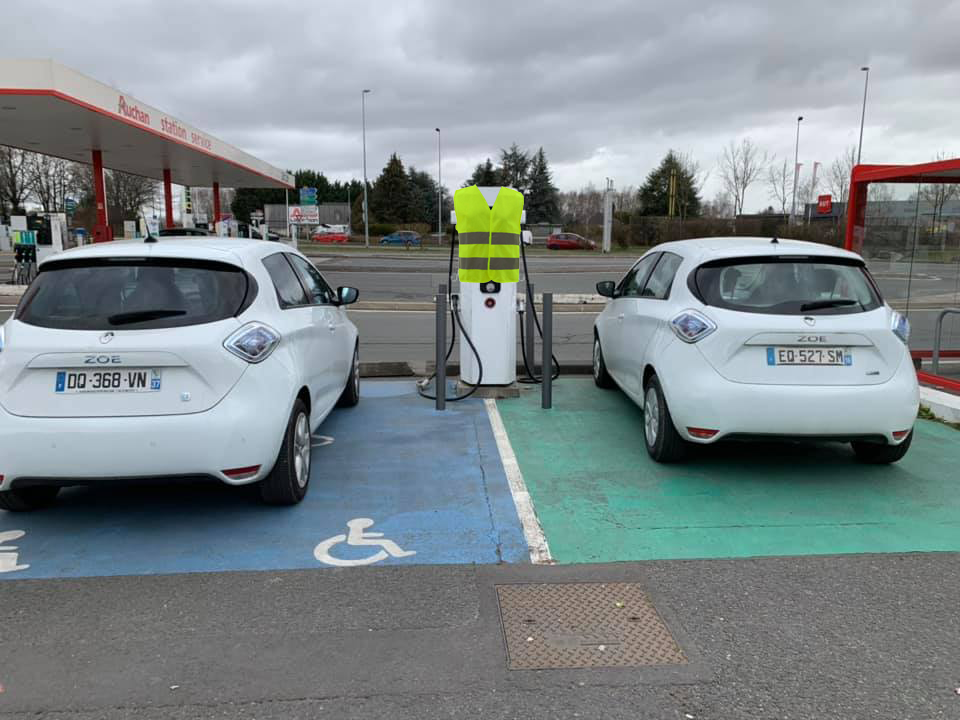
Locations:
{"points": [[142, 316], [821, 304]]}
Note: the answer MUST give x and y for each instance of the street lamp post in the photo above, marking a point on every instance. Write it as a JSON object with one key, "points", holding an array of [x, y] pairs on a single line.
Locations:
{"points": [[439, 193], [363, 121], [796, 171], [863, 113]]}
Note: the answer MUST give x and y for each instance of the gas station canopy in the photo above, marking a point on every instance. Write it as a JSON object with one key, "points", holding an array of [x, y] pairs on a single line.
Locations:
{"points": [[51, 109]]}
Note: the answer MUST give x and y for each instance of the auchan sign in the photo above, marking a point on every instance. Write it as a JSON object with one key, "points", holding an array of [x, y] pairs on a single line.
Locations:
{"points": [[132, 112]]}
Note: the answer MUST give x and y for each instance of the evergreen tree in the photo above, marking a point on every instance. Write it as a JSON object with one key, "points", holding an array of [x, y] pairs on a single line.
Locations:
{"points": [[484, 175], [542, 201], [655, 192], [514, 168], [392, 198]]}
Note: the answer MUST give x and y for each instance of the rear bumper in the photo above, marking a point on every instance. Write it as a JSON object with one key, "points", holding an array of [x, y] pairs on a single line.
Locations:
{"points": [[245, 429], [705, 399]]}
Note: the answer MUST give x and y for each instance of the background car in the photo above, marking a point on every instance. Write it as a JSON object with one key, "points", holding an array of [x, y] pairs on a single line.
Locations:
{"points": [[752, 338], [332, 237], [407, 238], [172, 358], [183, 232], [569, 241]]}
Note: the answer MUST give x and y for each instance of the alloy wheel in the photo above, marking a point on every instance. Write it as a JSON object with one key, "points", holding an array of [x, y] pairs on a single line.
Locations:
{"points": [[301, 450], [356, 371], [651, 416], [596, 359]]}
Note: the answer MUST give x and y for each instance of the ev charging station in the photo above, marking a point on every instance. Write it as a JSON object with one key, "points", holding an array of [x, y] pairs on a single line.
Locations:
{"points": [[490, 319]]}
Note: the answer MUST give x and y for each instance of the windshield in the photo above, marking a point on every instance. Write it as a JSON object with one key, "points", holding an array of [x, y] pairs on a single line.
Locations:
{"points": [[134, 294], [787, 286]]}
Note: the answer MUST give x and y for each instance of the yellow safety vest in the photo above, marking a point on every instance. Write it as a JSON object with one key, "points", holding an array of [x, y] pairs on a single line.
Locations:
{"points": [[489, 237]]}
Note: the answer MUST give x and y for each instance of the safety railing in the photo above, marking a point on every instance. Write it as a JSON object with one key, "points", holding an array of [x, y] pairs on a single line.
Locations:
{"points": [[937, 333]]}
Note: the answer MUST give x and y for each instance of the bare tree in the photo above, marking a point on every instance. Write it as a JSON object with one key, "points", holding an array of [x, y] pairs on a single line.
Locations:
{"points": [[698, 178], [51, 181], [938, 195], [838, 182], [740, 166], [128, 194], [780, 184], [14, 178], [582, 206], [720, 207]]}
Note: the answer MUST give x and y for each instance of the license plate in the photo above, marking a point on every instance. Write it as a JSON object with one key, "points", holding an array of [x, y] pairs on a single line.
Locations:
{"points": [[133, 380], [808, 356]]}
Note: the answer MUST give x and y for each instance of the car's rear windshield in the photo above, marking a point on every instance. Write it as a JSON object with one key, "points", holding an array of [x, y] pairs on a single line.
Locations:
{"points": [[134, 294], [787, 285]]}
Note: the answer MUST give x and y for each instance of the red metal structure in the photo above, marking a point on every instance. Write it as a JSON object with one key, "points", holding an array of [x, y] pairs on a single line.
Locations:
{"points": [[939, 171]]}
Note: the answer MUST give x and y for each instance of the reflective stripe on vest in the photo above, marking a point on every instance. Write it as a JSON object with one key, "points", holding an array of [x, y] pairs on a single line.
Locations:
{"points": [[489, 237]]}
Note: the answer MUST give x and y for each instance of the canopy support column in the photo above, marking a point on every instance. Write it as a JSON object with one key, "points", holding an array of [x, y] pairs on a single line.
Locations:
{"points": [[216, 203], [167, 199], [101, 230]]}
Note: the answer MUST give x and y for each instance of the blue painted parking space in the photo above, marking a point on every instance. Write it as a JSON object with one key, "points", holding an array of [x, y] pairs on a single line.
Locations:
{"points": [[393, 481]]}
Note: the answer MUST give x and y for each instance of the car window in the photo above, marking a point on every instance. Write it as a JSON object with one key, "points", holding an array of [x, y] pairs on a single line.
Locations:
{"points": [[661, 279], [317, 288], [134, 294], [290, 292], [786, 286], [634, 280]]}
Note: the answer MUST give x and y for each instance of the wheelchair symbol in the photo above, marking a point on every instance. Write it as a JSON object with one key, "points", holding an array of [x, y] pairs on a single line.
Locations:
{"points": [[358, 537], [8, 556]]}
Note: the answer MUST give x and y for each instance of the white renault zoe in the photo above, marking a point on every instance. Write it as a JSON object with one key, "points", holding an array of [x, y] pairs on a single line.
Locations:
{"points": [[211, 357], [752, 338]]}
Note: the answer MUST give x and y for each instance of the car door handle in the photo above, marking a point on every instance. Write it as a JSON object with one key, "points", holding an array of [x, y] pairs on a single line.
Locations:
{"points": [[620, 317], [331, 327]]}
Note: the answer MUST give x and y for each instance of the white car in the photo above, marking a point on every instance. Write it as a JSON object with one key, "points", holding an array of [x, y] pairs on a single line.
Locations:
{"points": [[753, 338], [211, 357]]}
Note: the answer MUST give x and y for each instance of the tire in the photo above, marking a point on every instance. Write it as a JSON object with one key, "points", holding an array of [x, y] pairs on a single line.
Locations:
{"points": [[351, 393], [881, 454], [600, 375], [289, 480], [663, 442], [30, 498]]}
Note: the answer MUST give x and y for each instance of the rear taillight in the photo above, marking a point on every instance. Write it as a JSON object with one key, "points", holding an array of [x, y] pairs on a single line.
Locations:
{"points": [[253, 342], [900, 434], [900, 326], [702, 433], [692, 326], [243, 473]]}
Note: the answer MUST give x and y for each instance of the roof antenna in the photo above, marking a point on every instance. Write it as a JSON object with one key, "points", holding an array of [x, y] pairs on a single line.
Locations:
{"points": [[149, 238], [774, 241]]}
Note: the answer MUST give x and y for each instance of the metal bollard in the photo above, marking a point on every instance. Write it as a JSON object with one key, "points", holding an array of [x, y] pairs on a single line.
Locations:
{"points": [[529, 330], [441, 360], [546, 398]]}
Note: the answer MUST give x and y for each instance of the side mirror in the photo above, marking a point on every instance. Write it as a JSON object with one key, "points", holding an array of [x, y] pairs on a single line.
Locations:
{"points": [[347, 295], [607, 288]]}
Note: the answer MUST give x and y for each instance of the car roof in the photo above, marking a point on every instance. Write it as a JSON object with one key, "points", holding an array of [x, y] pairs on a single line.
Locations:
{"points": [[213, 247], [711, 248]]}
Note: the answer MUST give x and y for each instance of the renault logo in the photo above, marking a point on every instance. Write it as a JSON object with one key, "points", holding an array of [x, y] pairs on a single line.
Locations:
{"points": [[810, 321], [106, 337]]}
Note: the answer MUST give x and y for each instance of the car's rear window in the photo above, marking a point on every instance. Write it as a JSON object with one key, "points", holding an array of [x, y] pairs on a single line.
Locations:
{"points": [[787, 285], [134, 294]]}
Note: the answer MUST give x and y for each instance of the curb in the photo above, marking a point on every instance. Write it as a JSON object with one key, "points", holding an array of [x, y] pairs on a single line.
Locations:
{"points": [[944, 405]]}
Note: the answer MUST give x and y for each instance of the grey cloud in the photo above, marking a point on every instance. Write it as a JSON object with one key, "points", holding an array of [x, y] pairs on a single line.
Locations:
{"points": [[606, 87]]}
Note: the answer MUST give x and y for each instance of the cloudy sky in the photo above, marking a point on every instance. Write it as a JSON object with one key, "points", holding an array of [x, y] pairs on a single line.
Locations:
{"points": [[606, 87]]}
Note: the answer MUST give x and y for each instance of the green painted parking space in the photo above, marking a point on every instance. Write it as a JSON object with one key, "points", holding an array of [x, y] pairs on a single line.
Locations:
{"points": [[600, 498]]}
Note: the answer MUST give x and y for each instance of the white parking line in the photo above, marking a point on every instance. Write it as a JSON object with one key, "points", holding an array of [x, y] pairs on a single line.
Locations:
{"points": [[532, 531]]}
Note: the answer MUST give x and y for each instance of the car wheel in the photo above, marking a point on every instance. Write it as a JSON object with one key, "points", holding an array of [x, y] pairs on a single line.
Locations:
{"points": [[351, 393], [663, 442], [288, 481], [31, 498], [600, 375], [881, 453]]}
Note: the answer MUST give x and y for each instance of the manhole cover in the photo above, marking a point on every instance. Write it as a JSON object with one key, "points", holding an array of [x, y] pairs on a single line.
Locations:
{"points": [[581, 625]]}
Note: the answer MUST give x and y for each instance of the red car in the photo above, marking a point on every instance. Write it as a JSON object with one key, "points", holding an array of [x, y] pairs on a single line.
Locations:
{"points": [[334, 237], [569, 241]]}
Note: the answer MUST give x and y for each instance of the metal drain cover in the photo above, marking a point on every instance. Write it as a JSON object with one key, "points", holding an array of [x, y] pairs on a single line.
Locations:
{"points": [[582, 625]]}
